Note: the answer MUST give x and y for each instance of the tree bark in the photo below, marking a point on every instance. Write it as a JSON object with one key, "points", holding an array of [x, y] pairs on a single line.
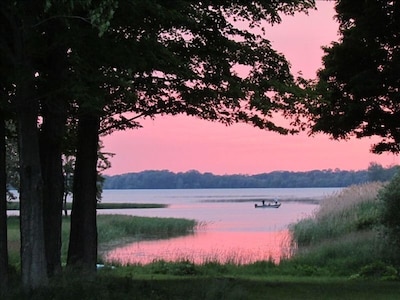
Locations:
{"points": [[26, 103], [54, 113], [33, 260], [3, 210], [20, 34], [82, 251], [53, 182]]}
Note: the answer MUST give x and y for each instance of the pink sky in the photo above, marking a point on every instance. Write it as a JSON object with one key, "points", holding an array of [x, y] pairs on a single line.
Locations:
{"points": [[180, 143]]}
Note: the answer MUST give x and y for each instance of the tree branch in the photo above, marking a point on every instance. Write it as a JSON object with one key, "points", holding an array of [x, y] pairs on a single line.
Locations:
{"points": [[61, 16]]}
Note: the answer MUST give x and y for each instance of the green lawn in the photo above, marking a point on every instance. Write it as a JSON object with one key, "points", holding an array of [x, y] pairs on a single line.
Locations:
{"points": [[109, 285]]}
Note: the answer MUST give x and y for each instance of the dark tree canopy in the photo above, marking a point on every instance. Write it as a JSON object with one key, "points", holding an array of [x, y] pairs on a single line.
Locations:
{"points": [[359, 83], [184, 57]]}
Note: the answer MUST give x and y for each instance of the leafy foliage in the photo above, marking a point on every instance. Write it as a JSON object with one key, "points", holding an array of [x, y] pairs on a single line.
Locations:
{"points": [[186, 57], [358, 85], [390, 197], [12, 163]]}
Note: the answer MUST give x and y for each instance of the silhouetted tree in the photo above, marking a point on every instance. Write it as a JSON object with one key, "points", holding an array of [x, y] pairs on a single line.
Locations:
{"points": [[17, 46], [358, 84], [169, 58], [3, 208], [143, 57]]}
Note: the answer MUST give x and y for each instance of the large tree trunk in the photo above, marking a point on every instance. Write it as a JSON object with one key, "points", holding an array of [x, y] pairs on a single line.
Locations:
{"points": [[3, 210], [25, 102], [54, 113], [33, 260], [53, 182], [82, 252]]}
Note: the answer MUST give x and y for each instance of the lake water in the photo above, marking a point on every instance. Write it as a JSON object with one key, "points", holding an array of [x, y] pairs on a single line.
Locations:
{"points": [[232, 229]]}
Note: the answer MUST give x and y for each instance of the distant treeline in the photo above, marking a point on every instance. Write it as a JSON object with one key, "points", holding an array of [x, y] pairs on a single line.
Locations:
{"points": [[277, 179]]}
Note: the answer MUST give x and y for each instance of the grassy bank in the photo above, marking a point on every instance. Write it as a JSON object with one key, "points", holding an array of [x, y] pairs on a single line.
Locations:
{"points": [[113, 230], [343, 235]]}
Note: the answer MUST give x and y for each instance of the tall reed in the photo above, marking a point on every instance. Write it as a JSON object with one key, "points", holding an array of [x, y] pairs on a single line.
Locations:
{"points": [[353, 209], [342, 234], [114, 227]]}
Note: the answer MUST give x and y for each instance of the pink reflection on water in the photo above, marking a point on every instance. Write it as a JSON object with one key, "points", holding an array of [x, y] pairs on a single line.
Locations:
{"points": [[206, 246]]}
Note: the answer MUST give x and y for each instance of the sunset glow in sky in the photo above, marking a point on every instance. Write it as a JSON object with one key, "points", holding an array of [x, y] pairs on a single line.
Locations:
{"points": [[180, 143]]}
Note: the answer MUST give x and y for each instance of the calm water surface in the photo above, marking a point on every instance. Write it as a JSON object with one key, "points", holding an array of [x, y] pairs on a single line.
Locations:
{"points": [[232, 229]]}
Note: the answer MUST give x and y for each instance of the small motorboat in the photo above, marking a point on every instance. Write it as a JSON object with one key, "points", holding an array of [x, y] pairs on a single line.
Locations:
{"points": [[274, 204]]}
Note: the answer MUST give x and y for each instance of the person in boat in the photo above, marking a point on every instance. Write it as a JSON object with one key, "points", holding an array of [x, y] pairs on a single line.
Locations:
{"points": [[263, 202]]}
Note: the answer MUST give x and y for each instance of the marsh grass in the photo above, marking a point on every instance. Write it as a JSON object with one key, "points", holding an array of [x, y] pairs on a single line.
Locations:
{"points": [[114, 227], [342, 235], [355, 208]]}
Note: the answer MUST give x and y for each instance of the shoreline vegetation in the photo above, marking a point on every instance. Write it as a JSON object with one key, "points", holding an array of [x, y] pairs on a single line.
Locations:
{"points": [[337, 254], [14, 205], [113, 231], [164, 179], [344, 235]]}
